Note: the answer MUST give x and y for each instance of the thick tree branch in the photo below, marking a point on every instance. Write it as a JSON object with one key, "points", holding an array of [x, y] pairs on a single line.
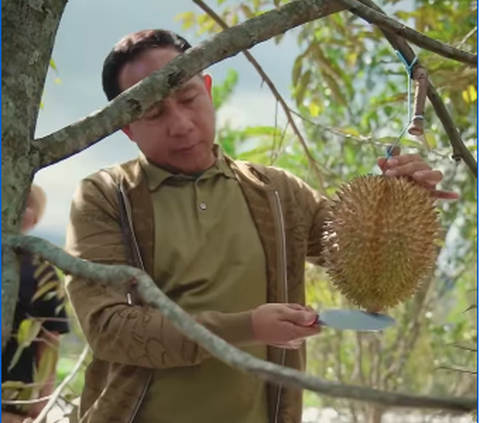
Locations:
{"points": [[132, 103], [217, 346], [459, 148], [275, 92], [409, 34], [10, 288]]}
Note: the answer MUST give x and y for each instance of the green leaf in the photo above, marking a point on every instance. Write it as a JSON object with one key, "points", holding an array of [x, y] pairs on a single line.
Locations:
{"points": [[44, 289], [302, 87], [12, 384], [46, 365], [16, 357], [188, 19], [53, 65], [256, 131], [297, 69], [247, 11], [430, 139], [26, 334], [314, 109], [28, 331], [470, 94], [255, 155]]}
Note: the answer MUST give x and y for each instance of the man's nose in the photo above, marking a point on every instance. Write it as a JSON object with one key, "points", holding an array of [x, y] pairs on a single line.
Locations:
{"points": [[179, 122]]}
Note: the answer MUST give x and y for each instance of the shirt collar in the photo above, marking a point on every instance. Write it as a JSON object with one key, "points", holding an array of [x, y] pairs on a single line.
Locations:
{"points": [[157, 176]]}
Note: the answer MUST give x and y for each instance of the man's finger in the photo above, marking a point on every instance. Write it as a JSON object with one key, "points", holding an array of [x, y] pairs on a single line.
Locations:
{"points": [[404, 159], [407, 169], [298, 317], [429, 177], [302, 332], [295, 306], [444, 195]]}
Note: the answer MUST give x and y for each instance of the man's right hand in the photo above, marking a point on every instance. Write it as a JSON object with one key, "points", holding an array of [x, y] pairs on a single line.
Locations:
{"points": [[284, 325]]}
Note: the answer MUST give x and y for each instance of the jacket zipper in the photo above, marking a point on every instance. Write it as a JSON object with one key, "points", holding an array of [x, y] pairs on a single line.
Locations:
{"points": [[140, 400], [281, 270], [139, 262]]}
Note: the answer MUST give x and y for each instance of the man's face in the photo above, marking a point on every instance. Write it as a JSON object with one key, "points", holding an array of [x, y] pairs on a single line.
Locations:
{"points": [[178, 134]]}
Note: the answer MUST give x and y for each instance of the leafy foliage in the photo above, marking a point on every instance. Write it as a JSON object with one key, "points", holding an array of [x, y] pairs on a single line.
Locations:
{"points": [[349, 88]]}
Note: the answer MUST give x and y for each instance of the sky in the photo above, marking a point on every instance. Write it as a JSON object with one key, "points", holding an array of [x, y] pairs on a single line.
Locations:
{"points": [[88, 30]]}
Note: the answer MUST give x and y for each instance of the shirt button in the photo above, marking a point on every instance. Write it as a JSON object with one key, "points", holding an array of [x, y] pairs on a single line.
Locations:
{"points": [[203, 206]]}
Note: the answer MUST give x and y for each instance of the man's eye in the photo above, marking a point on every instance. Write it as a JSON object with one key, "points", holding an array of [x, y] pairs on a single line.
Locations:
{"points": [[153, 114], [188, 99]]}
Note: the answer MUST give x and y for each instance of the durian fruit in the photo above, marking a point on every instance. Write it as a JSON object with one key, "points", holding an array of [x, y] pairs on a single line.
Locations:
{"points": [[381, 240]]}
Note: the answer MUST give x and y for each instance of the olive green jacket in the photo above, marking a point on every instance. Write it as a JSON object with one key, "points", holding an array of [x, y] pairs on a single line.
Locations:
{"points": [[130, 340]]}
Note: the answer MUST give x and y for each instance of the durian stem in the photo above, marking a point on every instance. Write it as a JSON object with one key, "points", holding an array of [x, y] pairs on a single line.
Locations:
{"points": [[459, 147], [416, 127]]}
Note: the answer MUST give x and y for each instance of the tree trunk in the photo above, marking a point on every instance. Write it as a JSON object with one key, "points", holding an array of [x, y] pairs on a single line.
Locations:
{"points": [[28, 34]]}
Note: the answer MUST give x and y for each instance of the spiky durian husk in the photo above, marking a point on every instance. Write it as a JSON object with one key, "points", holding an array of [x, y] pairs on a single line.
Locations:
{"points": [[381, 240]]}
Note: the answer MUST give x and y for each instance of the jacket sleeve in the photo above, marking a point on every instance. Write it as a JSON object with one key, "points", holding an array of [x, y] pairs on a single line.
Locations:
{"points": [[136, 335], [314, 208], [318, 207]]}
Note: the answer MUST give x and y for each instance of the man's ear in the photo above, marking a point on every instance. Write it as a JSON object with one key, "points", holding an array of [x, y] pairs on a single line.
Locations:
{"points": [[128, 132], [207, 80]]}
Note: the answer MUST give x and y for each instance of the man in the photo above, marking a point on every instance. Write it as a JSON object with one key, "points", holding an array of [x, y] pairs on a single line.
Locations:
{"points": [[225, 240], [40, 299]]}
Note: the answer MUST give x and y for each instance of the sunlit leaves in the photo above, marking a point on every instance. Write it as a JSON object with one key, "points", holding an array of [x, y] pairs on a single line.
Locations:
{"points": [[350, 90], [470, 94], [46, 365], [27, 333]]}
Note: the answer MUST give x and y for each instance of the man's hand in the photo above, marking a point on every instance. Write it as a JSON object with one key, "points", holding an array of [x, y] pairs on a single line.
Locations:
{"points": [[284, 325], [414, 167]]}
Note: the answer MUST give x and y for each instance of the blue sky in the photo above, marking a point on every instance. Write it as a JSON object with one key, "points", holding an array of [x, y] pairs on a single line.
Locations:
{"points": [[88, 31]]}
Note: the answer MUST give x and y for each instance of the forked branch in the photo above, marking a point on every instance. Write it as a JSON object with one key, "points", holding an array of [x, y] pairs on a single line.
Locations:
{"points": [[421, 40]]}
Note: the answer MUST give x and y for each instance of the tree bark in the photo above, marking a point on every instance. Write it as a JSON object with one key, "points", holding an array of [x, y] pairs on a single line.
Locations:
{"points": [[28, 35]]}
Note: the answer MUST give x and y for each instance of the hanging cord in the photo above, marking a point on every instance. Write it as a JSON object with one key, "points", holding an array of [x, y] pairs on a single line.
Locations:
{"points": [[414, 124]]}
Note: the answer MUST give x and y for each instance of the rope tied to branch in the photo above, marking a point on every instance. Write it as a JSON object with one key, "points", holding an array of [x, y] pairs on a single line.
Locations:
{"points": [[415, 119]]}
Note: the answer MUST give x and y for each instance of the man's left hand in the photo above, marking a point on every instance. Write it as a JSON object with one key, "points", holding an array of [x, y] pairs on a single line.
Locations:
{"points": [[414, 167]]}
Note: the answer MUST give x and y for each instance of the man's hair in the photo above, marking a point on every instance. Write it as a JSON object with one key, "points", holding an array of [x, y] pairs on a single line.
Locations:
{"points": [[130, 48]]}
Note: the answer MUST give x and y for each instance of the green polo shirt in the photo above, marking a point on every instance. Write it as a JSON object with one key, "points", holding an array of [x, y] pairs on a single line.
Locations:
{"points": [[208, 256]]}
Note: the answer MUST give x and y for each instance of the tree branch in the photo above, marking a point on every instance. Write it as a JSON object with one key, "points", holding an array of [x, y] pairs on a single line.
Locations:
{"points": [[26, 402], [132, 103], [409, 34], [459, 148], [217, 346], [274, 90], [56, 394]]}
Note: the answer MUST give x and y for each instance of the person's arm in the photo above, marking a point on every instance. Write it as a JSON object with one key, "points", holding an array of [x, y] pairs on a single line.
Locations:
{"points": [[136, 335], [318, 210], [314, 208]]}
